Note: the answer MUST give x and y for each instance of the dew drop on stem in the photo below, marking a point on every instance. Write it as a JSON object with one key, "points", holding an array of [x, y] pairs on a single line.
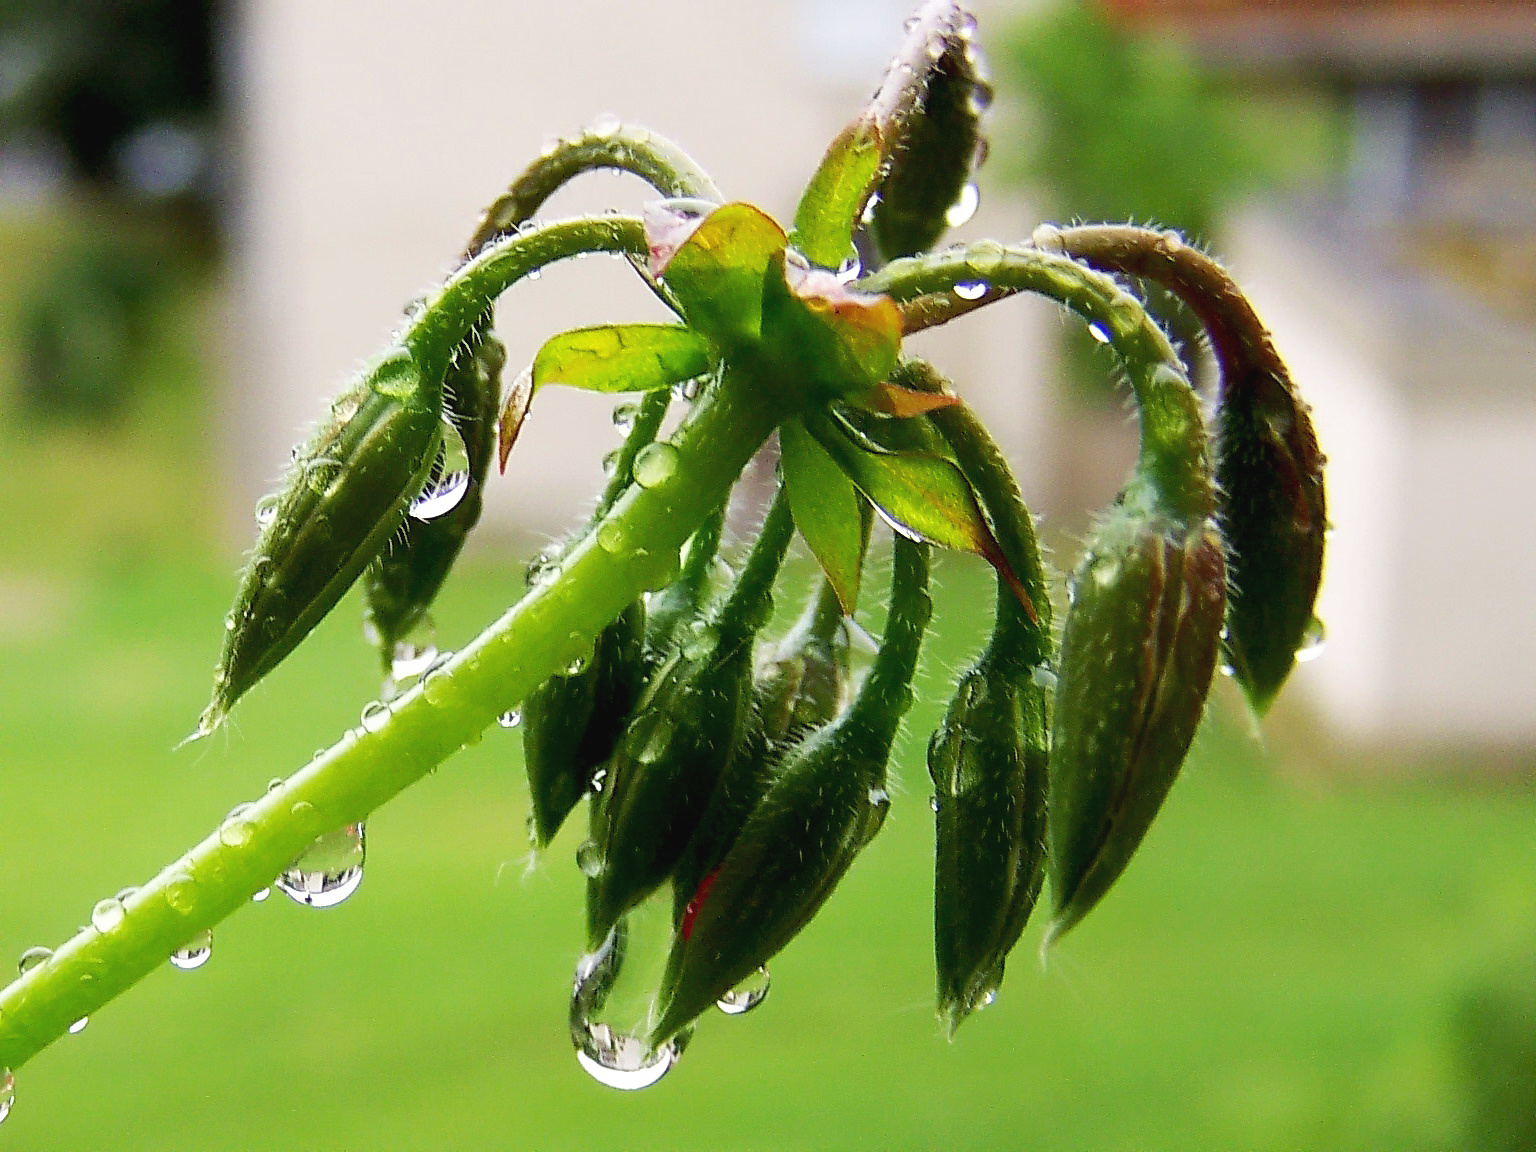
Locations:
{"points": [[655, 464], [195, 952], [971, 289], [329, 871], [32, 957], [7, 1093], [107, 914]]}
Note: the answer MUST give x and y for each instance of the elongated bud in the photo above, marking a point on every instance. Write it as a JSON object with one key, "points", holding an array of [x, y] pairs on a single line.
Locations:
{"points": [[989, 814], [572, 722], [402, 583], [685, 732], [1137, 656], [346, 495], [826, 801], [800, 687]]}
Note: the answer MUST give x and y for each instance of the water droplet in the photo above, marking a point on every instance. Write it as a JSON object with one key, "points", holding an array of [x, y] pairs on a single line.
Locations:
{"points": [[1313, 641], [986, 256], [266, 510], [879, 797], [375, 716], [1043, 677], [624, 416], [7, 1093], [599, 778], [850, 269], [319, 473], [576, 667], [181, 893], [128, 893], [611, 463], [195, 952], [410, 659], [610, 536], [329, 871], [79, 1025], [971, 289], [107, 914], [745, 996], [1099, 332], [655, 464], [260, 895], [511, 718], [687, 390], [1047, 237], [542, 569], [450, 478], [964, 207], [1172, 240], [605, 126], [622, 1061], [32, 957], [236, 831], [589, 858]]}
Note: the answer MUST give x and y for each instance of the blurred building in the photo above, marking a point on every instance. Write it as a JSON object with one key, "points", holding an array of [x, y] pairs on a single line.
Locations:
{"points": [[372, 132], [1405, 300]]}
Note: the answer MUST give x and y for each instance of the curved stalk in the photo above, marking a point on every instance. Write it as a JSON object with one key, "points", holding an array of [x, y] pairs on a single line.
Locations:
{"points": [[1174, 453], [629, 551]]}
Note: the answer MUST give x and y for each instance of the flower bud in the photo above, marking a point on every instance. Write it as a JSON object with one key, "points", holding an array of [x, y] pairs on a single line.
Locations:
{"points": [[825, 801], [345, 496], [989, 814], [402, 583], [1137, 656], [572, 722]]}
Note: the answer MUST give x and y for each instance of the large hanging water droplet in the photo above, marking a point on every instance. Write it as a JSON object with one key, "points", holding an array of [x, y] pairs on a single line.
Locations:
{"points": [[964, 207], [7, 1093], [107, 914], [329, 871], [655, 464], [450, 478], [32, 957], [195, 952], [623, 1061], [745, 996], [1313, 641]]}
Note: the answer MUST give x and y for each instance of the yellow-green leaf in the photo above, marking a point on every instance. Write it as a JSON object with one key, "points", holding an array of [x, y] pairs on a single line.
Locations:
{"points": [[833, 201], [717, 272], [621, 358]]}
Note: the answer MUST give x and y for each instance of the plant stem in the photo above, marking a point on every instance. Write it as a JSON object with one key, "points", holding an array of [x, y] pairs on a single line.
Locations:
{"points": [[1174, 462], [553, 624]]}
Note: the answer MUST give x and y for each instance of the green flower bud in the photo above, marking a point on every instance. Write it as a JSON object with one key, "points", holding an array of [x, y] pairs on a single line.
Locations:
{"points": [[1137, 656], [824, 803], [1269, 473], [572, 723], [935, 151], [402, 583], [989, 815], [686, 730], [346, 495]]}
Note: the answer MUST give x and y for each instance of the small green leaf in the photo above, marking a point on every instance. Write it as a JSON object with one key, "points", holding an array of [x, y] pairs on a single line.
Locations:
{"points": [[621, 358], [827, 508], [922, 496], [833, 201], [840, 341], [716, 272]]}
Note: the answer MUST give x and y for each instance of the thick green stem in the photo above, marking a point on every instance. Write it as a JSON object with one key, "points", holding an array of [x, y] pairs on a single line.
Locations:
{"points": [[633, 549], [1174, 460]]}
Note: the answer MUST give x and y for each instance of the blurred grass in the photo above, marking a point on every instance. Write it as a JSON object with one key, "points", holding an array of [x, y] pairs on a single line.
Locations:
{"points": [[1277, 971]]}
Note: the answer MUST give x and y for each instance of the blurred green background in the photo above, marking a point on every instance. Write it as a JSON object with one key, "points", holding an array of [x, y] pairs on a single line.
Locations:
{"points": [[1299, 958]]}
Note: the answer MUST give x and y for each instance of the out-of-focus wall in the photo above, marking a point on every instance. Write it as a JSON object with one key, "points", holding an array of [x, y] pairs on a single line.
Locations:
{"points": [[373, 132]]}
